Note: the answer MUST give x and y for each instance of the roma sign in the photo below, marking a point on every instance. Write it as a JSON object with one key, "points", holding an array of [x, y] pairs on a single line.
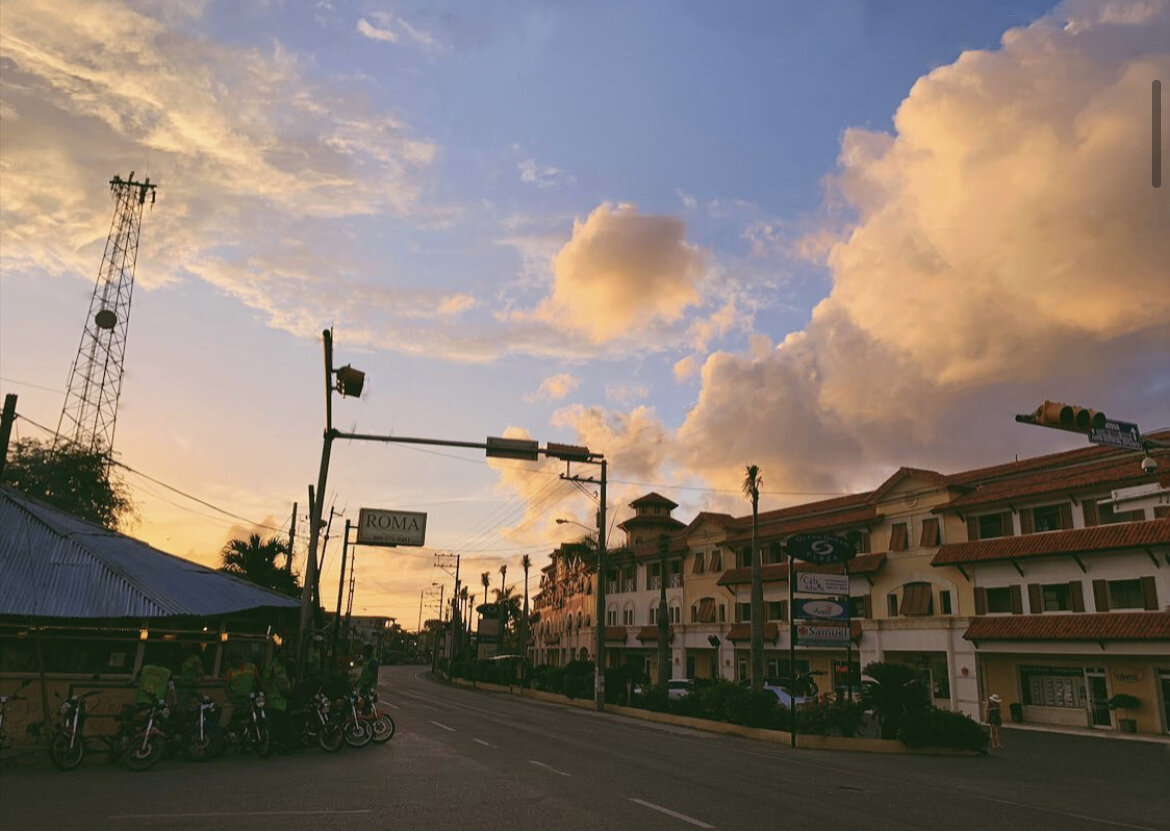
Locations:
{"points": [[391, 527]]}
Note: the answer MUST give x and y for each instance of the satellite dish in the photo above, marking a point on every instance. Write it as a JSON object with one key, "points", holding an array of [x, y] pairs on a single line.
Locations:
{"points": [[106, 319]]}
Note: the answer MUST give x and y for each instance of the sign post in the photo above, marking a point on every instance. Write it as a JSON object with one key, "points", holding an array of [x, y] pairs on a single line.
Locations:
{"points": [[819, 549]]}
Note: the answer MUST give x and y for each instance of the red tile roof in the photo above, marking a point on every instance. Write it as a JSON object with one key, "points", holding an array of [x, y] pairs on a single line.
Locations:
{"points": [[650, 633], [653, 499], [1075, 541], [743, 632], [1108, 626], [800, 520], [615, 633]]}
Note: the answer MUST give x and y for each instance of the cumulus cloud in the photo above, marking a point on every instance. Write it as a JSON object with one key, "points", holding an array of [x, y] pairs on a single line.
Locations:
{"points": [[556, 387], [620, 271]]}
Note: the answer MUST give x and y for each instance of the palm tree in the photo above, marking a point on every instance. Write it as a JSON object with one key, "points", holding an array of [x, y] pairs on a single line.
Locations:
{"points": [[255, 561], [751, 489], [503, 613], [526, 564], [893, 691]]}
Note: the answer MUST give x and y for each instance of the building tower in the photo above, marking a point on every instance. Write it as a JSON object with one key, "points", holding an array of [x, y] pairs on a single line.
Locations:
{"points": [[95, 380]]}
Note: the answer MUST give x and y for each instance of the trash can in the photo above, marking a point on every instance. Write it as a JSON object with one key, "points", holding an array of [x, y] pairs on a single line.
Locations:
{"points": [[1017, 711]]}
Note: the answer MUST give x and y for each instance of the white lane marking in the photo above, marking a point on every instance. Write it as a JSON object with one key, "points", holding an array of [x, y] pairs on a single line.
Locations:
{"points": [[392, 707], [481, 742], [441, 725], [550, 768], [673, 814], [241, 814]]}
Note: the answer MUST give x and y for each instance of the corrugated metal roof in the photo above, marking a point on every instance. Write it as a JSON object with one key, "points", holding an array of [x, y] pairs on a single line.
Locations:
{"points": [[55, 565]]}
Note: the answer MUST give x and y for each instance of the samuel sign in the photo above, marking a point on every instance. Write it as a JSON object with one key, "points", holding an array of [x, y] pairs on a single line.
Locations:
{"points": [[391, 527]]}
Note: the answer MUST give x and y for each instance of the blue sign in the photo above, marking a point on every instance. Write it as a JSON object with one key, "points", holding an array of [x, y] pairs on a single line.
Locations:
{"points": [[1118, 433]]}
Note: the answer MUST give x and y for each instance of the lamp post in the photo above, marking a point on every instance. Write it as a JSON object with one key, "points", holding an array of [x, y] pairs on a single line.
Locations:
{"points": [[599, 612]]}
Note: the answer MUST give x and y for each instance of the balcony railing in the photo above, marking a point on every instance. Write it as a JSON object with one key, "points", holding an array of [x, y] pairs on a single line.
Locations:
{"points": [[630, 584], [655, 583], [611, 587], [674, 581]]}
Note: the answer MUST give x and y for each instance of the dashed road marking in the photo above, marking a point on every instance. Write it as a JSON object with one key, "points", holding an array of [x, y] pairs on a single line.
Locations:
{"points": [[441, 725], [550, 768], [671, 812], [241, 814], [481, 742], [392, 707]]}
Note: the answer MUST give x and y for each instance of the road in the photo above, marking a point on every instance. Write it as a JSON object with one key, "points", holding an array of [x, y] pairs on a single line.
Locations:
{"points": [[474, 760]]}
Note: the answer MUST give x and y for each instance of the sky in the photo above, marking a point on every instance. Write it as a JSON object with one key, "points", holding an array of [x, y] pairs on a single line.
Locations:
{"points": [[828, 239]]}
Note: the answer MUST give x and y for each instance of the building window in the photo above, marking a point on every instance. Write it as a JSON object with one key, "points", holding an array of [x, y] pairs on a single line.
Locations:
{"points": [[745, 558], [917, 600], [992, 525], [1053, 687], [999, 600], [774, 610], [745, 612], [930, 533], [674, 613], [1046, 518], [611, 617], [944, 602], [1126, 594], [859, 606], [899, 537], [772, 555], [628, 616], [697, 568], [722, 613], [704, 610], [674, 576], [859, 540], [892, 604], [716, 560], [1055, 598]]}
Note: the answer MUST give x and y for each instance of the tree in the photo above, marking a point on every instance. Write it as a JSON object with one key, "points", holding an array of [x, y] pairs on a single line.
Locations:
{"points": [[508, 603], [895, 690], [255, 561], [751, 489], [486, 579], [526, 564], [72, 478]]}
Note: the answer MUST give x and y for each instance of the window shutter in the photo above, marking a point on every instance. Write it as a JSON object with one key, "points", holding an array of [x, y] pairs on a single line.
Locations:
{"points": [[1035, 599], [1150, 593], [1101, 595], [929, 537], [899, 537], [1089, 508], [1162, 511], [784, 610], [1027, 518], [1017, 601], [972, 529], [1009, 529], [865, 547], [1076, 596], [1066, 516], [980, 600], [867, 606]]}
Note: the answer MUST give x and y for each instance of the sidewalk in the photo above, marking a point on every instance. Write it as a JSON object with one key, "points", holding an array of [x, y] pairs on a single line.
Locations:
{"points": [[1064, 730]]}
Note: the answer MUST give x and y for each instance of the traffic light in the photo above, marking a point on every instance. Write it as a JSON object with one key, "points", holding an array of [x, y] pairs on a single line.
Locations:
{"points": [[1064, 416]]}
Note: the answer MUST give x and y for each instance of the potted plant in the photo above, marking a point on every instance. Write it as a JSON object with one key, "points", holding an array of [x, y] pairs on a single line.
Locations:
{"points": [[1125, 702]]}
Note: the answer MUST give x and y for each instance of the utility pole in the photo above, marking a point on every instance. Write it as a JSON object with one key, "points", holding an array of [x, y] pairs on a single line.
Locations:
{"points": [[6, 420], [292, 535], [340, 589], [663, 614], [568, 454], [443, 561]]}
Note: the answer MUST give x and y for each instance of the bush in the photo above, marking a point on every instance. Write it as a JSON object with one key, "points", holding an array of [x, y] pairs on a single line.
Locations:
{"points": [[932, 726], [715, 699], [823, 719], [753, 708]]}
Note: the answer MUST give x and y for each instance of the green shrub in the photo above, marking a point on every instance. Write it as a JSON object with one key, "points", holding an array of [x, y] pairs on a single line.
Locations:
{"points": [[715, 699], [932, 726], [753, 708]]}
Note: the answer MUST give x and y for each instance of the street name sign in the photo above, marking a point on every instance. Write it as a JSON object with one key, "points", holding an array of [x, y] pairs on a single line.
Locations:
{"points": [[822, 608], [822, 634], [1118, 433], [820, 548], [811, 583], [391, 527]]}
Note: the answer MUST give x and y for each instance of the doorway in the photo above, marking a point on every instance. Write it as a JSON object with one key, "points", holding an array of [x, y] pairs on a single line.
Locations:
{"points": [[1100, 716], [1164, 680]]}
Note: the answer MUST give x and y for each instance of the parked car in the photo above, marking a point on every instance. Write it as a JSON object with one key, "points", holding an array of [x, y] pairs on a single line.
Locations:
{"points": [[676, 688], [783, 697]]}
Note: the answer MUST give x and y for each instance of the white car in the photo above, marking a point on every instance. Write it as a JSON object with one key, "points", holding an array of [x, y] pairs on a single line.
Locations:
{"points": [[782, 695], [676, 688]]}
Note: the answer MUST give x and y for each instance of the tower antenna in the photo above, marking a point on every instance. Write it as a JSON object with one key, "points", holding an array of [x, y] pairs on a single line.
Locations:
{"points": [[95, 379]]}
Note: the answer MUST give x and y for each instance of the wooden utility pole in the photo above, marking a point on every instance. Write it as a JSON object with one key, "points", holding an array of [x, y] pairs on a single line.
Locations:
{"points": [[6, 420], [663, 614], [292, 536]]}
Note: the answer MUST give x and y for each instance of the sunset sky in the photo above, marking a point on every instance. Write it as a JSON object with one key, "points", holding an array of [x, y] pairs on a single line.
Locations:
{"points": [[829, 239]]}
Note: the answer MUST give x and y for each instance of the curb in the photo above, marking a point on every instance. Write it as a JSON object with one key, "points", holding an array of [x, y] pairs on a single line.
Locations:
{"points": [[806, 742]]}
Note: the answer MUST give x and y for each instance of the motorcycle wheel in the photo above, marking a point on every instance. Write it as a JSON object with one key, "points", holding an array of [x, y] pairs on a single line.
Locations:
{"points": [[144, 753], [263, 741], [330, 738], [383, 729], [357, 734], [210, 746], [66, 753]]}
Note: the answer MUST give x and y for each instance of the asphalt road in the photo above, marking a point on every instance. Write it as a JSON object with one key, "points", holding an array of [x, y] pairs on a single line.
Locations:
{"points": [[475, 760]]}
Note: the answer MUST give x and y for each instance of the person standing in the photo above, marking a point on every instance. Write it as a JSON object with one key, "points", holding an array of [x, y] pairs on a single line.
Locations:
{"points": [[995, 719], [369, 678], [278, 688], [190, 672], [242, 678]]}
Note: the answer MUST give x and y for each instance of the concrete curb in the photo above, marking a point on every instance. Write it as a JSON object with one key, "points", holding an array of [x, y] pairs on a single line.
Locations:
{"points": [[803, 741]]}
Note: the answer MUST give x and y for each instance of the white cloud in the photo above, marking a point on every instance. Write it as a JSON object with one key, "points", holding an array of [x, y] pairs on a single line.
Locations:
{"points": [[543, 176], [556, 387], [372, 32]]}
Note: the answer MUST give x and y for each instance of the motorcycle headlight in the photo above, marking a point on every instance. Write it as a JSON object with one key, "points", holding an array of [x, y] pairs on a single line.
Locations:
{"points": [[64, 711], [166, 713], [260, 700]]}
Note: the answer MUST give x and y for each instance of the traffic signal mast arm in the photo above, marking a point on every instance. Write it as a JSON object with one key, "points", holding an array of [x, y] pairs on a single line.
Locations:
{"points": [[1070, 418]]}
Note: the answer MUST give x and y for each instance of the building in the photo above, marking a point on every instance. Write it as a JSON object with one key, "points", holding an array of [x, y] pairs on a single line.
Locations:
{"points": [[1046, 581]]}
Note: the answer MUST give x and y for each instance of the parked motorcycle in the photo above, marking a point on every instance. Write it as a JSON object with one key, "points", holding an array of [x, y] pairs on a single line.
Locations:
{"points": [[312, 721], [249, 729], [202, 737], [67, 744], [354, 728], [142, 735], [381, 725]]}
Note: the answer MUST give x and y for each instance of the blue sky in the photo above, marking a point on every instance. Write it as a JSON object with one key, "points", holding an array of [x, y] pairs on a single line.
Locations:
{"points": [[829, 239]]}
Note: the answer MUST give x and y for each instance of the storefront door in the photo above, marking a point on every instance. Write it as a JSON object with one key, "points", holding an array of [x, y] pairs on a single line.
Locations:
{"points": [[1098, 701], [1164, 677]]}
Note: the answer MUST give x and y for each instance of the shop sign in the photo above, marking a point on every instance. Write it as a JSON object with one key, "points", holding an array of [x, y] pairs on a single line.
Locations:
{"points": [[822, 634], [822, 608], [811, 583]]}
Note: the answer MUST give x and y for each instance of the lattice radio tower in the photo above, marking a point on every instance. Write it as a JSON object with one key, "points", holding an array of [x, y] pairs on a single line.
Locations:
{"points": [[95, 380]]}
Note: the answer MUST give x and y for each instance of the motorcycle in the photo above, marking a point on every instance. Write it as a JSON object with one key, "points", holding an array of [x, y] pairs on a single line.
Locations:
{"points": [[312, 721], [141, 740], [67, 744], [4, 700], [250, 731], [381, 725], [355, 729], [202, 737]]}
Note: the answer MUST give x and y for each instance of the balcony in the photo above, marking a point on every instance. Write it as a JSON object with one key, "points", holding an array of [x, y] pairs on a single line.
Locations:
{"points": [[654, 584], [629, 584], [674, 581], [611, 587]]}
